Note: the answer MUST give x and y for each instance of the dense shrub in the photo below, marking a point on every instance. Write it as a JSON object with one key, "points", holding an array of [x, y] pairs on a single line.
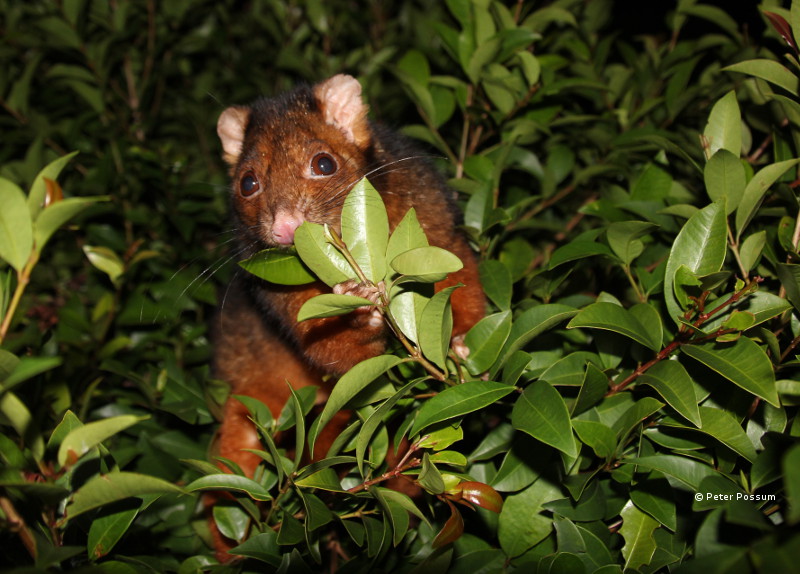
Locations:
{"points": [[632, 395]]}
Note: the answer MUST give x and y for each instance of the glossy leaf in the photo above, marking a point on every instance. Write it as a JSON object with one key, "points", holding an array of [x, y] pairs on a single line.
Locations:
{"points": [[522, 523], [54, 216], [348, 386], [723, 427], [436, 327], [230, 482], [331, 305], [16, 227], [107, 488], [406, 308], [743, 363], [769, 70], [540, 412], [756, 190], [365, 229], [321, 257], [106, 531], [82, 439], [36, 198], [406, 236], [673, 383], [457, 401], [426, 264], [612, 317], [278, 266], [724, 127], [637, 531], [623, 237], [496, 282], [485, 341], [700, 246], [530, 324], [725, 179]]}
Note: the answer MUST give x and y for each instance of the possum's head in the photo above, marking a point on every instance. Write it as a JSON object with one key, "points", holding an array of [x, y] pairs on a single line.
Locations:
{"points": [[295, 157]]}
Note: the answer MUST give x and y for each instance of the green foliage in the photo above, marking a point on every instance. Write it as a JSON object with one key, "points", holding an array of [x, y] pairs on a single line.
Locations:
{"points": [[630, 400]]}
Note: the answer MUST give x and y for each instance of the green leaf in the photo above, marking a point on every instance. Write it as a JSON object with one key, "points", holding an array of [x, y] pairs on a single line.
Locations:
{"points": [[577, 250], [107, 488], [612, 317], [496, 282], [655, 497], [751, 248], [429, 476], [725, 179], [279, 266], [27, 368], [377, 417], [623, 237], [426, 264], [724, 127], [457, 401], [723, 427], [637, 531], [673, 383], [38, 192], [106, 531], [789, 276], [686, 470], [756, 189], [82, 439], [365, 229], [522, 523], [540, 412], [406, 236], [436, 327], [769, 70], [406, 308], [330, 305], [13, 410], [791, 481], [105, 260], [351, 383], [700, 246], [55, 215], [593, 387], [320, 255], [262, 546], [485, 341], [16, 227], [743, 363], [597, 436], [635, 414], [233, 482], [530, 324]]}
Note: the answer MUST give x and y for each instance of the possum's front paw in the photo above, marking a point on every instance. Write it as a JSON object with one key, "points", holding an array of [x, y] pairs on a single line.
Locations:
{"points": [[459, 347], [370, 292]]}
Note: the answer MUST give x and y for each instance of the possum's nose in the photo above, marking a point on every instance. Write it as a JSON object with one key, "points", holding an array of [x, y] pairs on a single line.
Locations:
{"points": [[284, 226]]}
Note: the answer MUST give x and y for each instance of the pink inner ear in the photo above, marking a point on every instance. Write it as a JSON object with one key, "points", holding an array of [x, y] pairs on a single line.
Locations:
{"points": [[230, 129], [342, 106]]}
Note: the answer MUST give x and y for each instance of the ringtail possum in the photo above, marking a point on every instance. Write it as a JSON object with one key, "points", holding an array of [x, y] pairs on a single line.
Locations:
{"points": [[294, 158]]}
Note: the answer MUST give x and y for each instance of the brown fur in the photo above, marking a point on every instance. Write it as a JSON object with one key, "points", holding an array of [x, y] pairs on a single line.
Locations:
{"points": [[258, 344]]}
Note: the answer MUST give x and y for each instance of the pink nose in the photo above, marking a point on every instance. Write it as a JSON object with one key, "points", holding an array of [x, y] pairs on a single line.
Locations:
{"points": [[284, 226]]}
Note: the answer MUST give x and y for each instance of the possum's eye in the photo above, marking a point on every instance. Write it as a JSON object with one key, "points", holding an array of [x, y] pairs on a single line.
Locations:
{"points": [[323, 164], [249, 185]]}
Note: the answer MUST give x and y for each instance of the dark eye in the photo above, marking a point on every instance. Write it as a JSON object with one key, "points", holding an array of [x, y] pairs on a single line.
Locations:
{"points": [[323, 164], [249, 185]]}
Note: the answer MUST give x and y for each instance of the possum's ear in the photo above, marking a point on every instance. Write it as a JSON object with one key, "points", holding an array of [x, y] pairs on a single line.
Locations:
{"points": [[340, 101], [230, 129]]}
